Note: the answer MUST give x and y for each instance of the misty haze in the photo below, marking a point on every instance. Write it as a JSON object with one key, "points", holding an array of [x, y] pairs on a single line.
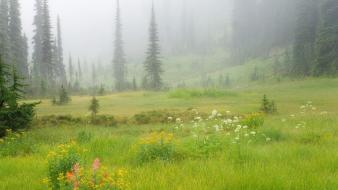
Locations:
{"points": [[168, 94]]}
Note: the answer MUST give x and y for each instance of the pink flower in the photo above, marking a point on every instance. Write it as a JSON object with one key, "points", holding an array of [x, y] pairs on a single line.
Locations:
{"points": [[96, 164], [76, 168]]}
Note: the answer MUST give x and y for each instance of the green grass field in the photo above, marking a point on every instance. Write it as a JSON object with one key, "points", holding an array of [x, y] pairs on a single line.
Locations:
{"points": [[298, 151]]}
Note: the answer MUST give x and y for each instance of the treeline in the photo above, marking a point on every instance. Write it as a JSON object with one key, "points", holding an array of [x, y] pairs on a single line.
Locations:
{"points": [[308, 27]]}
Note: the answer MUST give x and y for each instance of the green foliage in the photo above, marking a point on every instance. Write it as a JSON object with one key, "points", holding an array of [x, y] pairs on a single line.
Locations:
{"points": [[94, 106], [63, 97], [84, 137], [12, 115], [16, 144], [60, 162], [253, 121], [108, 121], [268, 106], [157, 146]]}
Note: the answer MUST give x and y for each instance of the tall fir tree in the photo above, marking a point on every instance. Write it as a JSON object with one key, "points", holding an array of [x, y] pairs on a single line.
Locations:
{"points": [[153, 64], [327, 39], [17, 41], [37, 43], [119, 59], [60, 64], [79, 70], [71, 70], [4, 36], [48, 68], [304, 43]]}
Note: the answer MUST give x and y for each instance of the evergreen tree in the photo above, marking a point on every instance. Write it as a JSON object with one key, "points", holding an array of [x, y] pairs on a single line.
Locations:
{"points": [[327, 42], [119, 60], [152, 64], [94, 107], [47, 67], [94, 76], [134, 84], [37, 42], [4, 80], [71, 71], [304, 43], [60, 65], [79, 70], [4, 36], [17, 42], [63, 96]]}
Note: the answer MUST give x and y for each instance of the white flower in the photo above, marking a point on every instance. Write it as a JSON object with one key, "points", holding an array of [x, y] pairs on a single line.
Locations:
{"points": [[214, 113], [170, 118], [245, 127], [178, 120], [323, 113], [216, 128], [283, 120], [237, 138], [219, 115], [268, 139], [228, 112], [246, 135], [253, 133]]}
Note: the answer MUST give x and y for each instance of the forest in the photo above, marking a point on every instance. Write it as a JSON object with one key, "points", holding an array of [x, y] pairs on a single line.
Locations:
{"points": [[168, 94]]}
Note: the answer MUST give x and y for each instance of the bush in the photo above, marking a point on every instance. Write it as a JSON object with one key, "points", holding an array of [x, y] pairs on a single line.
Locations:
{"points": [[60, 162], [254, 120], [157, 146], [16, 118]]}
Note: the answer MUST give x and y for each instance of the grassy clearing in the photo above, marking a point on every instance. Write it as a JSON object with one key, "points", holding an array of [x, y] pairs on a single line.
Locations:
{"points": [[301, 153]]}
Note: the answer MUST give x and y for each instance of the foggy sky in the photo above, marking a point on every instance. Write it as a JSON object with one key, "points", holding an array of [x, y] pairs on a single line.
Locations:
{"points": [[88, 25]]}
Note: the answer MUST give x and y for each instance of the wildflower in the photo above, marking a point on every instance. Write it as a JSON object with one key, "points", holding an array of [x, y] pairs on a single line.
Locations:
{"points": [[283, 120], [170, 118], [245, 127], [217, 128], [253, 133], [76, 168], [323, 113], [214, 112], [237, 138], [227, 112], [178, 120], [219, 115], [268, 139], [96, 164], [246, 135], [69, 176]]}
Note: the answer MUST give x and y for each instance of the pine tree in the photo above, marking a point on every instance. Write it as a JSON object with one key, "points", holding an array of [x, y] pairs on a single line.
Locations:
{"points": [[48, 68], [17, 43], [304, 43], [327, 42], [71, 71], [134, 84], [94, 107], [63, 96], [4, 80], [37, 42], [60, 65], [119, 60], [4, 36], [94, 76], [79, 69], [152, 64]]}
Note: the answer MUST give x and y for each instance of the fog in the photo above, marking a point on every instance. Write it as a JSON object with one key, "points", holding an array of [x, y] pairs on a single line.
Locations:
{"points": [[88, 25]]}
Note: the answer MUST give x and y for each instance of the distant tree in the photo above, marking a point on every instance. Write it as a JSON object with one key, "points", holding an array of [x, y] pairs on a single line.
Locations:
{"points": [[152, 64], [63, 96], [268, 107], [79, 70], [47, 67], [119, 60], [94, 107], [227, 80], [134, 84], [94, 76], [304, 43], [61, 71], [4, 32], [71, 71], [102, 90], [255, 75], [18, 45], [327, 42], [37, 43]]}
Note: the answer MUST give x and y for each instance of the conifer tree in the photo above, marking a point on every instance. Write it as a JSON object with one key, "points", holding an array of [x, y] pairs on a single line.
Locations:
{"points": [[63, 96], [119, 59], [4, 36], [304, 43], [79, 69], [70, 70], [48, 68], [17, 41], [37, 42], [327, 42], [153, 64], [60, 64], [94, 107], [134, 84]]}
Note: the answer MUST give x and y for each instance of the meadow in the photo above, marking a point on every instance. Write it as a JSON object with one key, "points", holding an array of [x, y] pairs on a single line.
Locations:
{"points": [[226, 144]]}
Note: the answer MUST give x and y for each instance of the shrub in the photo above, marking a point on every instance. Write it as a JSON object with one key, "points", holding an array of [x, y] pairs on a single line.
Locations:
{"points": [[157, 146], [254, 120], [60, 162], [268, 106]]}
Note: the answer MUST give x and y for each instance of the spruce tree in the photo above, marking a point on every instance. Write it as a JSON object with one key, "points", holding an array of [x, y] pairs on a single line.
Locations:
{"points": [[4, 80], [134, 84], [60, 64], [63, 96], [4, 36], [94, 107], [153, 64], [37, 42], [71, 71], [79, 69], [327, 42], [48, 68], [17, 41], [304, 43], [119, 59]]}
